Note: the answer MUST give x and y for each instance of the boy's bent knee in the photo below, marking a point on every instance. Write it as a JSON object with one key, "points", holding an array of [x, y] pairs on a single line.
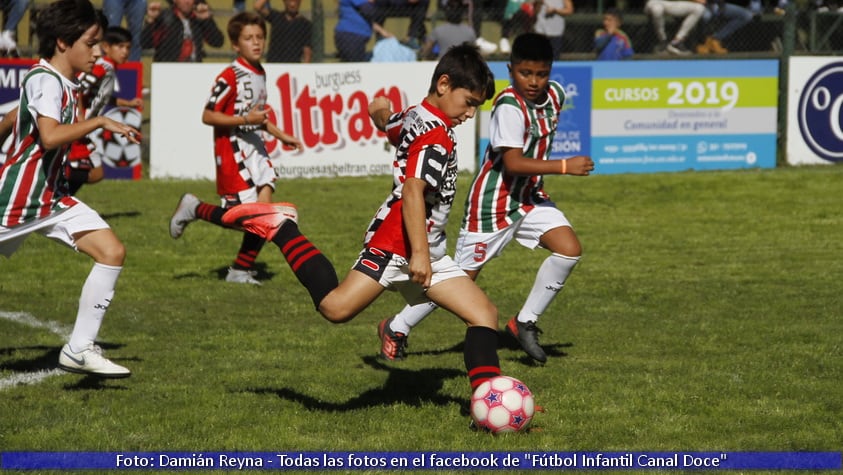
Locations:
{"points": [[334, 313]]}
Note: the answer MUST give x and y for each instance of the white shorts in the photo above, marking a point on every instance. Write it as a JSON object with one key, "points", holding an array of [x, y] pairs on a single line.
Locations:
{"points": [[392, 272], [474, 250], [60, 226], [255, 160]]}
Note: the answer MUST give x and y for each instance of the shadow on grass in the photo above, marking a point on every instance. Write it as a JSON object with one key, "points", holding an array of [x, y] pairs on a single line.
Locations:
{"points": [[411, 387], [120, 214], [262, 273], [47, 358], [505, 341]]}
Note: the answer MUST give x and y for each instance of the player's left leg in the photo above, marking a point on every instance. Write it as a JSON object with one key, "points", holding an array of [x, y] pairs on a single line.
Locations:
{"points": [[241, 270], [548, 227], [81, 354], [462, 297]]}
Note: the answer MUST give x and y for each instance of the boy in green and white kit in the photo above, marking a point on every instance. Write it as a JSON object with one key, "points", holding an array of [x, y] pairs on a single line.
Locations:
{"points": [[34, 193]]}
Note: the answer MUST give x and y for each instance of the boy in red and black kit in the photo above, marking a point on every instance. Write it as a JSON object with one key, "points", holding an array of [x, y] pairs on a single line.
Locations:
{"points": [[96, 91], [237, 111], [405, 242]]}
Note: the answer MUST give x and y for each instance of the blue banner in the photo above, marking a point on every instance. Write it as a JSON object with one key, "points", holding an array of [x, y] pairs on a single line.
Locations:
{"points": [[662, 116], [404, 461]]}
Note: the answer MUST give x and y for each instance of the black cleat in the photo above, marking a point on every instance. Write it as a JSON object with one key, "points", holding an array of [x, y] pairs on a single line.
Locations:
{"points": [[527, 334]]}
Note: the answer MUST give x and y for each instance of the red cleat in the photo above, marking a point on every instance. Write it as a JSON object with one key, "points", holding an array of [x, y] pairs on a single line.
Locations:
{"points": [[262, 219]]}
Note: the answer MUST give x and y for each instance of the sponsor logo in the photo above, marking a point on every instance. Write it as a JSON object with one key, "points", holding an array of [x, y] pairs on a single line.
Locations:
{"points": [[78, 361], [819, 112]]}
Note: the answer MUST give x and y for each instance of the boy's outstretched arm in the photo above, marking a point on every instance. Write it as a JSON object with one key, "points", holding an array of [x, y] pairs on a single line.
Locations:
{"points": [[515, 163], [284, 137], [54, 135]]}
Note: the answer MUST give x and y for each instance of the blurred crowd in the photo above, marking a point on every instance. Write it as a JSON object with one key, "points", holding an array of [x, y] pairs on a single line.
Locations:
{"points": [[187, 30]]}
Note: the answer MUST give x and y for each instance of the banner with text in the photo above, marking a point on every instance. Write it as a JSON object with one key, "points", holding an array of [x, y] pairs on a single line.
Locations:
{"points": [[656, 116], [324, 105], [121, 159], [407, 461]]}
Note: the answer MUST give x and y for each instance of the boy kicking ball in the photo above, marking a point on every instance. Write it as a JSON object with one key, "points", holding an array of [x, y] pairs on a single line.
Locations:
{"points": [[404, 248]]}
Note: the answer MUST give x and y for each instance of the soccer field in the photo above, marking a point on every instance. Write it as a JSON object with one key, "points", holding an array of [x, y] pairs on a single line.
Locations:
{"points": [[705, 315]]}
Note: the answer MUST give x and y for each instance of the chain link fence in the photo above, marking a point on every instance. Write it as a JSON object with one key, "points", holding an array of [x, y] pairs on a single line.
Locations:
{"points": [[816, 28]]}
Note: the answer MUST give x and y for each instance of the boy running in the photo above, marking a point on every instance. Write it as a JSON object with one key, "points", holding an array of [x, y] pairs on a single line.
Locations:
{"points": [[237, 112], [97, 88], [34, 194], [405, 242], [507, 199]]}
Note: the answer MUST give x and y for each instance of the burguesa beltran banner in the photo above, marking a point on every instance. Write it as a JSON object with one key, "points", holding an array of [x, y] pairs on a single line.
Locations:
{"points": [[815, 110], [324, 105]]}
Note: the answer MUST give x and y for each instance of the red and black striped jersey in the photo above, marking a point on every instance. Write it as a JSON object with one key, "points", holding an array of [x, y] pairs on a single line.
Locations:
{"points": [[238, 89], [426, 149], [97, 88]]}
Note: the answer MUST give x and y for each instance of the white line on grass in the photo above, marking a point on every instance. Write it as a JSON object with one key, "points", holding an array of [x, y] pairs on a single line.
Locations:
{"points": [[28, 378], [32, 378]]}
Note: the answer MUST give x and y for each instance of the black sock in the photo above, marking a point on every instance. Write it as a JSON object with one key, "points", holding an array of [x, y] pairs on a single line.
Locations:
{"points": [[311, 267], [75, 179], [210, 213], [481, 355], [249, 250]]}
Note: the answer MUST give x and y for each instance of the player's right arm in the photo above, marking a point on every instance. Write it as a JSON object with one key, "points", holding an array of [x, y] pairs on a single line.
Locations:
{"points": [[7, 125], [414, 217], [379, 111], [54, 134], [515, 163]]}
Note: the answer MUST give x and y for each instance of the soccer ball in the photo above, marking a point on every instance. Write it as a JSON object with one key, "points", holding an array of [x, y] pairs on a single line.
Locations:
{"points": [[502, 404], [116, 150]]}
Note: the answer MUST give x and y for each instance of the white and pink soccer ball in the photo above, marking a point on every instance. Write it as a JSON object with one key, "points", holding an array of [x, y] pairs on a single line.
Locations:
{"points": [[502, 404]]}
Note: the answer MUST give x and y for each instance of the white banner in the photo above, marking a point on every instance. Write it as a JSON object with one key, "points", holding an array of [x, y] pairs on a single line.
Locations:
{"points": [[815, 110], [324, 105]]}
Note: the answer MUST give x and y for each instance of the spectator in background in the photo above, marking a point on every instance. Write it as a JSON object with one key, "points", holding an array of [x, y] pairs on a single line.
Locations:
{"points": [[611, 42], [178, 34], [354, 29], [15, 10], [518, 17], [689, 11], [291, 35], [451, 33], [134, 11], [477, 10], [550, 22], [734, 17], [416, 10]]}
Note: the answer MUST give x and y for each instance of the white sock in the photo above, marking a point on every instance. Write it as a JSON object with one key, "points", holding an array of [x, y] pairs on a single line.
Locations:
{"points": [[410, 316], [94, 301], [549, 281]]}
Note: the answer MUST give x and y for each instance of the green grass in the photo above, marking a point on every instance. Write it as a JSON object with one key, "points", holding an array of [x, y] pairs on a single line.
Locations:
{"points": [[705, 315]]}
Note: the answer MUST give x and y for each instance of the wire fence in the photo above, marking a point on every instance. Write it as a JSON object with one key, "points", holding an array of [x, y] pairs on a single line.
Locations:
{"points": [[760, 29]]}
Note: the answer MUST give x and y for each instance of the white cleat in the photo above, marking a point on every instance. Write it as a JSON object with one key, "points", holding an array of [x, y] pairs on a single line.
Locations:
{"points": [[90, 361], [185, 214], [240, 276]]}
